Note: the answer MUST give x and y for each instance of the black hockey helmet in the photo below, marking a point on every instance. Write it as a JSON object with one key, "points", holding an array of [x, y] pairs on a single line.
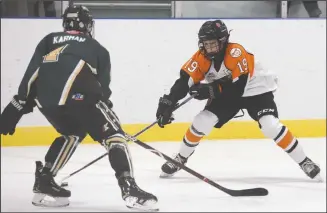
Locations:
{"points": [[78, 18], [216, 32]]}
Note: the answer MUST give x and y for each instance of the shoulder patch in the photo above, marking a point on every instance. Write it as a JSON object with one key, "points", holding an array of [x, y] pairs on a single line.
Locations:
{"points": [[235, 52]]}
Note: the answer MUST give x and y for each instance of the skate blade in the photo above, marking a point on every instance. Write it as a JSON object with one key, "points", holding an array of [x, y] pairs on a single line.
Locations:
{"points": [[135, 208], [165, 175], [39, 200], [318, 178], [148, 206]]}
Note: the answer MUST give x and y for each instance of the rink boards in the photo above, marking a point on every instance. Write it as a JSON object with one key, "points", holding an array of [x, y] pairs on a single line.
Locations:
{"points": [[34, 136]]}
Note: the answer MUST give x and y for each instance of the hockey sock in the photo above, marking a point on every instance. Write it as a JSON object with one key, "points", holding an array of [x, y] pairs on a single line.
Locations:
{"points": [[59, 153], [201, 126], [290, 144], [274, 129], [119, 155], [190, 141]]}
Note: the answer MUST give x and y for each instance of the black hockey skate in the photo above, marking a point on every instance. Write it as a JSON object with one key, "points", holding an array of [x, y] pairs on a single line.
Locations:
{"points": [[311, 169], [169, 169], [45, 185], [136, 198]]}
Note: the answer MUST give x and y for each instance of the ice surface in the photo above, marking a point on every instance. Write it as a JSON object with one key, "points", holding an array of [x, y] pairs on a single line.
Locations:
{"points": [[236, 164]]}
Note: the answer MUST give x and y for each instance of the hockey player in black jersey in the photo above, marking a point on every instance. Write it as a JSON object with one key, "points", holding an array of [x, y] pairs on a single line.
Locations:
{"points": [[68, 79]]}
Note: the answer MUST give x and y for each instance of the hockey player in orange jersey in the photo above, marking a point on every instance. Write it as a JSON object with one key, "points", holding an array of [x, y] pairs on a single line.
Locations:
{"points": [[235, 80]]}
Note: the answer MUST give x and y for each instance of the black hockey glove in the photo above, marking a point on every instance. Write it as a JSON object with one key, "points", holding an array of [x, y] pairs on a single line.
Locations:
{"points": [[165, 111], [205, 91], [13, 113]]}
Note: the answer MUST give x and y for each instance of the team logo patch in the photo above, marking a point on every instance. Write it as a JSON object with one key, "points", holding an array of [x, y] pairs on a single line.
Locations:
{"points": [[235, 52], [78, 97]]}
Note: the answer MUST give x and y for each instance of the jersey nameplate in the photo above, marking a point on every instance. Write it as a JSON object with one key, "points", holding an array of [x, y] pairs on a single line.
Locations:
{"points": [[60, 39]]}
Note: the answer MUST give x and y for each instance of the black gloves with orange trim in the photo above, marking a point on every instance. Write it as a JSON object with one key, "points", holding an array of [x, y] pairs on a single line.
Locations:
{"points": [[206, 91]]}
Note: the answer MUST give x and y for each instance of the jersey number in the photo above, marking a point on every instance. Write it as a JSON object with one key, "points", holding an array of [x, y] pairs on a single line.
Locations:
{"points": [[243, 67], [53, 56], [191, 67]]}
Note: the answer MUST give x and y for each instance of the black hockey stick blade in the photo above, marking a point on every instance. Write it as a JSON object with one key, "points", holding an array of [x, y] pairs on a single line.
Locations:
{"points": [[240, 192], [248, 192]]}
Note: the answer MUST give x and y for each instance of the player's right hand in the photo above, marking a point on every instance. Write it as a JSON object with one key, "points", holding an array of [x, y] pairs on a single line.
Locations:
{"points": [[11, 116], [165, 111]]}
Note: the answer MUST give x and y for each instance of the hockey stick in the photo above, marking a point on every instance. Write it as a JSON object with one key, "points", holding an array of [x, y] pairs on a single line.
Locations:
{"points": [[137, 134], [234, 193]]}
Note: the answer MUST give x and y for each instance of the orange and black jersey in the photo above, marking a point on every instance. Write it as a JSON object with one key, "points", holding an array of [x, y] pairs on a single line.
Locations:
{"points": [[237, 64], [57, 44]]}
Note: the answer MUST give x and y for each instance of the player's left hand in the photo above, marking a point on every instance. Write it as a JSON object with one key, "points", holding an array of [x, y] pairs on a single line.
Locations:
{"points": [[205, 91]]}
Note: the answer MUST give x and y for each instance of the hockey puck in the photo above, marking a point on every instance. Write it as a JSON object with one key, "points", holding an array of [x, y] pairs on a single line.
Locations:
{"points": [[64, 184]]}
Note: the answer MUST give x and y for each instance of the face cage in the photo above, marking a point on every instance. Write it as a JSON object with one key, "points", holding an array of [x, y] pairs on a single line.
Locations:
{"points": [[89, 28], [210, 55]]}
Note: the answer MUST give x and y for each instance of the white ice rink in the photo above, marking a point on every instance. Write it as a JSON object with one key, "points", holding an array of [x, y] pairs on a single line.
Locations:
{"points": [[236, 164]]}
